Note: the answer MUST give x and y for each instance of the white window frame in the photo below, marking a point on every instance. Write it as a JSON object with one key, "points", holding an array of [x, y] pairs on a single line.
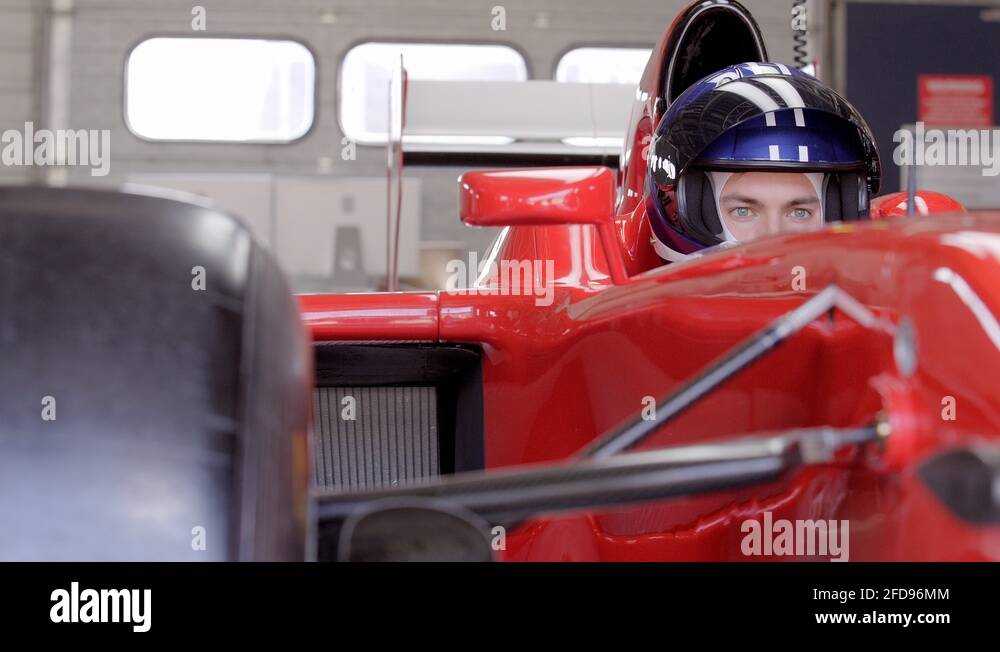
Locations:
{"points": [[146, 133], [622, 52], [350, 118]]}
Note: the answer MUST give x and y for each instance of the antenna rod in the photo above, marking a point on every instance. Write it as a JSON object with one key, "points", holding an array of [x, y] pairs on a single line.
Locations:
{"points": [[911, 189]]}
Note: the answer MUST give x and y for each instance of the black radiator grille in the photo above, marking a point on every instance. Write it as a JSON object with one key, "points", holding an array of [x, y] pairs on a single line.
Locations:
{"points": [[393, 437]]}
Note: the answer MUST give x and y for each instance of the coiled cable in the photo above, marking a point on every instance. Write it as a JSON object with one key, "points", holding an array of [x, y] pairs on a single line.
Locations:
{"points": [[800, 30]]}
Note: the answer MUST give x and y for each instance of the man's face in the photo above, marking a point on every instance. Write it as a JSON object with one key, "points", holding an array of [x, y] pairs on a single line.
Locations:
{"points": [[755, 204]]}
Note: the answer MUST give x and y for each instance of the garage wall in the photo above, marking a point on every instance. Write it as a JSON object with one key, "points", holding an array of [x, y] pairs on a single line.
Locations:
{"points": [[103, 31], [20, 38], [937, 40]]}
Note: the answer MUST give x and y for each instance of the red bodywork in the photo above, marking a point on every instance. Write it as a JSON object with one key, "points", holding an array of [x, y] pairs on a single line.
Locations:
{"points": [[557, 376]]}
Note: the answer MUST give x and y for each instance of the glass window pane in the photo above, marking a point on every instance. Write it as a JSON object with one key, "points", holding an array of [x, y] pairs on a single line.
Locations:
{"points": [[367, 69], [220, 89], [595, 65]]}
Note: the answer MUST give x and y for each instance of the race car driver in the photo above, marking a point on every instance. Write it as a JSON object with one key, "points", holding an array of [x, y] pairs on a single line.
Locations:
{"points": [[753, 150]]}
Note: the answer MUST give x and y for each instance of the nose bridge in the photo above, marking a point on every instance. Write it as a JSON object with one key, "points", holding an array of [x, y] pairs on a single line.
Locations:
{"points": [[774, 218]]}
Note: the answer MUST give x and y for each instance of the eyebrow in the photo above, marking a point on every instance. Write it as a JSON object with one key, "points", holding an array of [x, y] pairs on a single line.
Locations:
{"points": [[743, 199], [746, 199], [802, 201]]}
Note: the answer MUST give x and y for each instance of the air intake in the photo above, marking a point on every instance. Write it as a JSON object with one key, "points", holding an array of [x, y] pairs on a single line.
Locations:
{"points": [[389, 414], [374, 437]]}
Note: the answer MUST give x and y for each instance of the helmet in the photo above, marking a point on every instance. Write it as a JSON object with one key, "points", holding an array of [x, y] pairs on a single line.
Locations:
{"points": [[749, 117]]}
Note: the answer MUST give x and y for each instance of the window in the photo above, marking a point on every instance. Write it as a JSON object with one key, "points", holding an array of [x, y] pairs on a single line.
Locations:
{"points": [[595, 65], [220, 89], [367, 70]]}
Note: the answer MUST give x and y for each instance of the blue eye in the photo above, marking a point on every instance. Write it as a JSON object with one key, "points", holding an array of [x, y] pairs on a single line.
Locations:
{"points": [[742, 212], [801, 214]]}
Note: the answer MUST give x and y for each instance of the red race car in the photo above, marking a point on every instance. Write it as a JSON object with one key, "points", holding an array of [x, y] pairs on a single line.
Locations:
{"points": [[623, 382], [817, 395]]}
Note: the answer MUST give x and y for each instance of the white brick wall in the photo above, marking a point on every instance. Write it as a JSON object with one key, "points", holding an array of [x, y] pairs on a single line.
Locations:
{"points": [[19, 90]]}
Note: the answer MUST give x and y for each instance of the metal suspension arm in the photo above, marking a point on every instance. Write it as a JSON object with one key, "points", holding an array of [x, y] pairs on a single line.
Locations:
{"points": [[507, 496], [712, 376]]}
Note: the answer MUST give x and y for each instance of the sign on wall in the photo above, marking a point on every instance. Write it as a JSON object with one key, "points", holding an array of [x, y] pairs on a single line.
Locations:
{"points": [[955, 100]]}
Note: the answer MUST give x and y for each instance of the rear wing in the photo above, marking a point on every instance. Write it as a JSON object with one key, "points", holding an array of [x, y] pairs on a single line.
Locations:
{"points": [[488, 123]]}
